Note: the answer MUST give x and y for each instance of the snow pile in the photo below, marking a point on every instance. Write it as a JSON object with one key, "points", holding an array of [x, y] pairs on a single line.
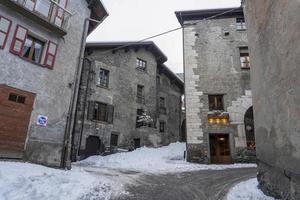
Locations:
{"points": [[22, 181], [247, 190], [166, 159]]}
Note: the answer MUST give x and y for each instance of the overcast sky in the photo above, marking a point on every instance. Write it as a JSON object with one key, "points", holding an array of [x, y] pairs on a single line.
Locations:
{"points": [[131, 20]]}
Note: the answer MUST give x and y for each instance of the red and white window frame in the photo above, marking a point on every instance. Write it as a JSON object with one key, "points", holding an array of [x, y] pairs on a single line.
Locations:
{"points": [[6, 31], [59, 14], [19, 40]]}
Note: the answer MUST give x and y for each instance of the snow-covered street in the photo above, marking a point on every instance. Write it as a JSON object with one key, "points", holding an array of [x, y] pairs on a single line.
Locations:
{"points": [[101, 177]]}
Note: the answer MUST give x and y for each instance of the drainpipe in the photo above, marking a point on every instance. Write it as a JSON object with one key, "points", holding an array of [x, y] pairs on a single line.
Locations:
{"points": [[66, 151], [84, 106]]}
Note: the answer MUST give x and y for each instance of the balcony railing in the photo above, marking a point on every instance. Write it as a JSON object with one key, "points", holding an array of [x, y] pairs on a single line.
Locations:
{"points": [[49, 10]]}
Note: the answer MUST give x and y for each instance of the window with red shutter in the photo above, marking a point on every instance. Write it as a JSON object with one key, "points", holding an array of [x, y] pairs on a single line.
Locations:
{"points": [[50, 55], [18, 40], [5, 25]]}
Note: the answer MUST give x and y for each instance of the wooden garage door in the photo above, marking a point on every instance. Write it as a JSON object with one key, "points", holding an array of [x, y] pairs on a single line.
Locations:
{"points": [[15, 111]]}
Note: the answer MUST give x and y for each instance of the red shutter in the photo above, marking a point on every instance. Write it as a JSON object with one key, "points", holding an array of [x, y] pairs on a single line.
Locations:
{"points": [[18, 40], [50, 55], [5, 25]]}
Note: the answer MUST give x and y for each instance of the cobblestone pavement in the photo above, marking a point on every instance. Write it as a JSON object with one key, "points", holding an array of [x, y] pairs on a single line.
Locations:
{"points": [[199, 185]]}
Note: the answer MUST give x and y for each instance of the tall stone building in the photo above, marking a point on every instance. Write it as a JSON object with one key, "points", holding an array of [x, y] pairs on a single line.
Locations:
{"points": [[128, 98], [41, 45], [218, 100], [274, 32]]}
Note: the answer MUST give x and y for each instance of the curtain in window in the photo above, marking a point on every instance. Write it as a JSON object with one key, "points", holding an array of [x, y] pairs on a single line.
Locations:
{"points": [[26, 48], [38, 48]]}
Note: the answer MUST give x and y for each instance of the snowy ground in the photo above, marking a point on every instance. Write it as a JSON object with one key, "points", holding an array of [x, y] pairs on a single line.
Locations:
{"points": [[97, 177], [167, 159], [24, 181], [247, 190]]}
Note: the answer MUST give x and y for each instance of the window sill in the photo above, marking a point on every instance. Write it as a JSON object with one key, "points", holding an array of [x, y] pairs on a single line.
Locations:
{"points": [[32, 62], [141, 70], [244, 29], [245, 68], [100, 86], [100, 122]]}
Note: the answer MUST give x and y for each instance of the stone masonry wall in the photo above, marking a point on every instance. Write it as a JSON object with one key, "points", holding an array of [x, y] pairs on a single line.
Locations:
{"points": [[212, 66], [274, 49]]}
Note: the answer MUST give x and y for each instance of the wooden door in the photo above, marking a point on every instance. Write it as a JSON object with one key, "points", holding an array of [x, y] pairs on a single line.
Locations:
{"points": [[220, 149], [15, 112], [137, 143], [92, 146]]}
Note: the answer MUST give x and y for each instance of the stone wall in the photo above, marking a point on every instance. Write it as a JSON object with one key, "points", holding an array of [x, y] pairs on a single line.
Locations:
{"points": [[52, 87], [274, 49], [122, 94], [212, 66]]}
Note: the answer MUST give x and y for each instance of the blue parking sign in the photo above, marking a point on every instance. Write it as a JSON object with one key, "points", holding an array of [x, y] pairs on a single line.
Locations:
{"points": [[42, 120]]}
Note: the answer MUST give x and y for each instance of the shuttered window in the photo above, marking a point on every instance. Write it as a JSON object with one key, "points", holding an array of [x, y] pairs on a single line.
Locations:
{"points": [[50, 55], [114, 140], [18, 40], [100, 112], [5, 25]]}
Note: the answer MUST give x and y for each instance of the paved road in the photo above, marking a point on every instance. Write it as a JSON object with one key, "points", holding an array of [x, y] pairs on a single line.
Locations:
{"points": [[200, 185]]}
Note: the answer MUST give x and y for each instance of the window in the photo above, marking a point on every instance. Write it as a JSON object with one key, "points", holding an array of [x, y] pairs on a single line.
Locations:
{"points": [[5, 25], [16, 98], [141, 64], [33, 49], [162, 126], [162, 105], [244, 57], [114, 140], [158, 80], [104, 78], [162, 102], [100, 112], [215, 102], [140, 120], [240, 23], [140, 94]]}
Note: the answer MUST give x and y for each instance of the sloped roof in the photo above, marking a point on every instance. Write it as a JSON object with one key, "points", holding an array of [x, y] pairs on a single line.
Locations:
{"points": [[201, 14]]}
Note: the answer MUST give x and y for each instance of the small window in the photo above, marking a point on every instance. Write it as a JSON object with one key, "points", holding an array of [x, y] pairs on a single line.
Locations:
{"points": [[140, 121], [100, 112], [16, 98], [114, 140], [140, 94], [103, 78], [33, 49], [215, 102], [158, 80], [244, 57], [141, 64], [240, 23], [5, 25], [162, 102], [162, 126]]}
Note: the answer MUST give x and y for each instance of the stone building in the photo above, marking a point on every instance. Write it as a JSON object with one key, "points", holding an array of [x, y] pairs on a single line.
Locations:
{"points": [[274, 32], [218, 98], [128, 98], [41, 43]]}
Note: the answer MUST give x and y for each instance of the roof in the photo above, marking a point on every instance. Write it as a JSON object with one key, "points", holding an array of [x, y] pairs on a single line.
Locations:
{"points": [[98, 12], [149, 45], [171, 75], [202, 14]]}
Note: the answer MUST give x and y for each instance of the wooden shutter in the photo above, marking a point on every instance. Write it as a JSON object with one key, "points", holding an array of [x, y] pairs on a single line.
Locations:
{"points": [[5, 25], [91, 108], [50, 55], [18, 40], [110, 114]]}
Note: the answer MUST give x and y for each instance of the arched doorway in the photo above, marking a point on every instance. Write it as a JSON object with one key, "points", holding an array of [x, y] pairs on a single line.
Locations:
{"points": [[249, 128], [93, 144]]}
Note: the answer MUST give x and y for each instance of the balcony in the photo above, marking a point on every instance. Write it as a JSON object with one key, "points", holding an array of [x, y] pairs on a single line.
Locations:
{"points": [[47, 13], [140, 99]]}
